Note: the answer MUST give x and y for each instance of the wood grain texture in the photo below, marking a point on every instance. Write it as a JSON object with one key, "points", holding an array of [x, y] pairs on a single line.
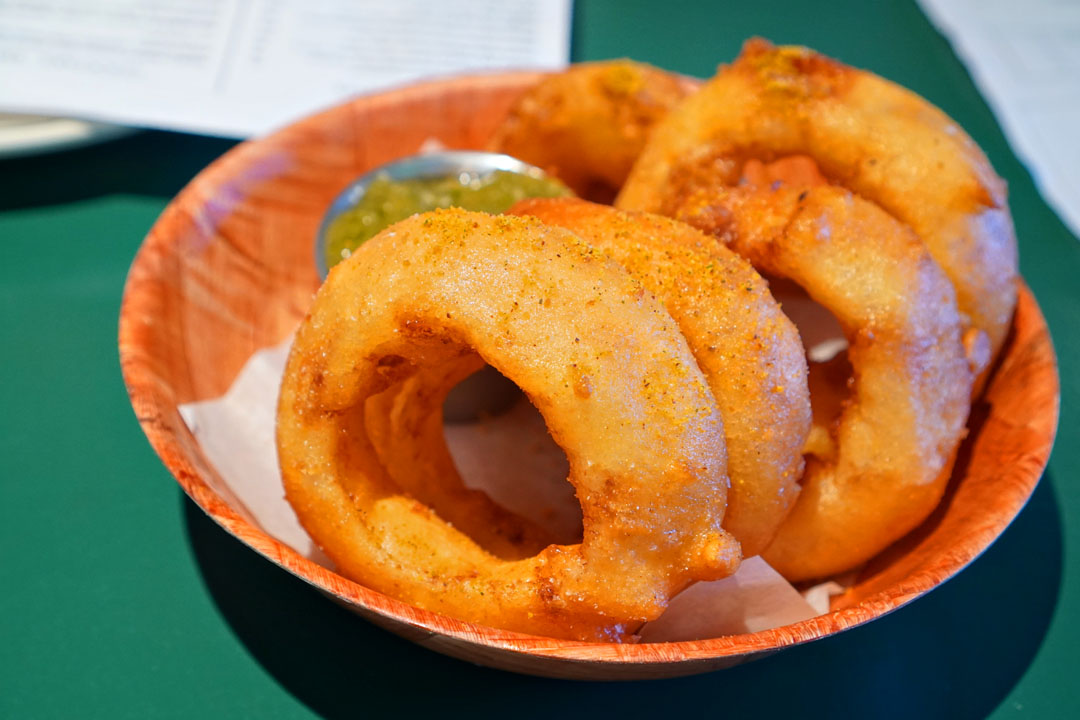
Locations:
{"points": [[229, 269]]}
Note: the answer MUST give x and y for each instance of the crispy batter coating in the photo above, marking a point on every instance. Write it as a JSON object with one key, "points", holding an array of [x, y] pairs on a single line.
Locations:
{"points": [[871, 136], [748, 349], [587, 124], [893, 443], [593, 350]]}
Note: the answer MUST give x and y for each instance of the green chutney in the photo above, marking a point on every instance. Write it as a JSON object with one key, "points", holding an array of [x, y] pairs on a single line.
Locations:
{"points": [[387, 201]]}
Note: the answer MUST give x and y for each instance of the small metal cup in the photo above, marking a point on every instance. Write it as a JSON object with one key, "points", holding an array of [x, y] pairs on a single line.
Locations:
{"points": [[444, 163]]}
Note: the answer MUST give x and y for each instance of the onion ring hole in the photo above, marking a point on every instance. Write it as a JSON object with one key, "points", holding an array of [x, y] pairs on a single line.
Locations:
{"points": [[830, 372], [510, 455]]}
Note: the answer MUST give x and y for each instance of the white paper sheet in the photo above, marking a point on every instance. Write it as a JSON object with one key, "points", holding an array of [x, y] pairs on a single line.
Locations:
{"points": [[510, 457], [1025, 59], [243, 67]]}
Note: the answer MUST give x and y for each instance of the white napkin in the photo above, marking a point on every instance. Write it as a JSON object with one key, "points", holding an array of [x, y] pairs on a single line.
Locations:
{"points": [[1025, 58]]}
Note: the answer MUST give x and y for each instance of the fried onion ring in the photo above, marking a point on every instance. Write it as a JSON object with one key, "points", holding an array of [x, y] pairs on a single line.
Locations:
{"points": [[895, 439], [598, 356], [587, 125], [748, 349], [869, 135]]}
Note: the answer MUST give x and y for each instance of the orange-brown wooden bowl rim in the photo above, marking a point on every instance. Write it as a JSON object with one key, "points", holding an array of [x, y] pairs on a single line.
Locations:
{"points": [[152, 405]]}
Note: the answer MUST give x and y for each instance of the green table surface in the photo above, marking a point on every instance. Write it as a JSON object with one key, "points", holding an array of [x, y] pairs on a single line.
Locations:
{"points": [[119, 598]]}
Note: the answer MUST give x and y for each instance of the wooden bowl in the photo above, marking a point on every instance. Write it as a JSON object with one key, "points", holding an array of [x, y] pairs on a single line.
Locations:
{"points": [[228, 269]]}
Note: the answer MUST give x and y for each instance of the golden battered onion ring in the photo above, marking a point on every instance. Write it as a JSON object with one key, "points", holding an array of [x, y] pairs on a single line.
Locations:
{"points": [[748, 349], [875, 138], [587, 125], [896, 437], [598, 356]]}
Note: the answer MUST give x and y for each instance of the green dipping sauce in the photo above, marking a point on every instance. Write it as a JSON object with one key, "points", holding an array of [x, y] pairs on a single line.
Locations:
{"points": [[387, 201]]}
